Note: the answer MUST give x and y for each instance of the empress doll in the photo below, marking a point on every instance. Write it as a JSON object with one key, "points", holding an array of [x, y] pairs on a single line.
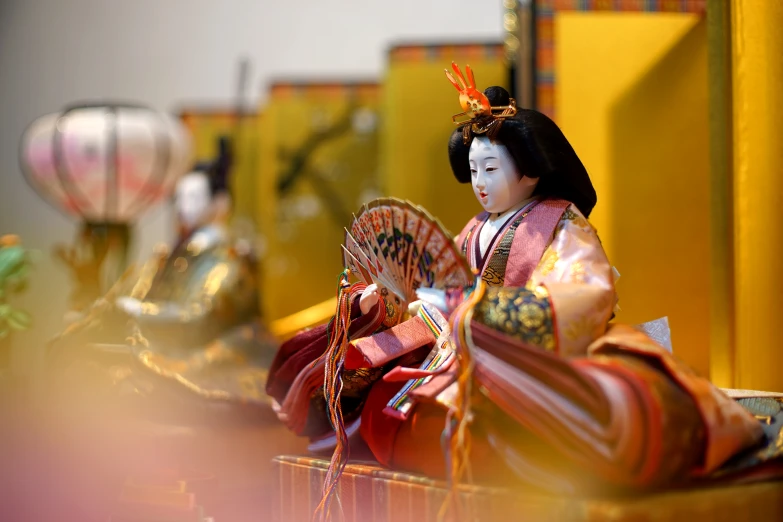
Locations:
{"points": [[560, 397]]}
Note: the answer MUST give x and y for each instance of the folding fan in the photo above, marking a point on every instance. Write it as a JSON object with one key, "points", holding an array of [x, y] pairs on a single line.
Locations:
{"points": [[400, 246]]}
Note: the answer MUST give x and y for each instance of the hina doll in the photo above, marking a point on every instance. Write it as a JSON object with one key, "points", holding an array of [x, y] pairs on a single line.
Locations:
{"points": [[542, 384], [206, 284], [190, 320]]}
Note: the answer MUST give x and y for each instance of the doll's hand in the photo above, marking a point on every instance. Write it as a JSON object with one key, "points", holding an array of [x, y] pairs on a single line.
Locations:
{"points": [[433, 296], [369, 298]]}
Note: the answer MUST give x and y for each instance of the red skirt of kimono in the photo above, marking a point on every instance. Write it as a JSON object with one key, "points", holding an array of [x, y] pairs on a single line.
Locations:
{"points": [[628, 416]]}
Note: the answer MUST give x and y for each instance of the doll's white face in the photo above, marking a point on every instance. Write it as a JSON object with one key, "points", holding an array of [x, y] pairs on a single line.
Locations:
{"points": [[193, 199], [496, 181]]}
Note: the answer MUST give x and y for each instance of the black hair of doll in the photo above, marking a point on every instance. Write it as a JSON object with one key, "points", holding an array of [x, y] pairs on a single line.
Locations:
{"points": [[218, 170], [221, 168], [539, 149]]}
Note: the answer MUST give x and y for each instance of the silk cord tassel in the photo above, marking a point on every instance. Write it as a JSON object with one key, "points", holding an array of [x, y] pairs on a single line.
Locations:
{"points": [[333, 386]]}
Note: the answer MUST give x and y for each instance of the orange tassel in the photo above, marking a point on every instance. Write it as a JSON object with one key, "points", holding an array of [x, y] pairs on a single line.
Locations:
{"points": [[456, 434], [333, 385]]}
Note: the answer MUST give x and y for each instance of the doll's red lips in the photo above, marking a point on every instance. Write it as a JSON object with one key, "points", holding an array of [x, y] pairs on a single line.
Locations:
{"points": [[483, 194]]}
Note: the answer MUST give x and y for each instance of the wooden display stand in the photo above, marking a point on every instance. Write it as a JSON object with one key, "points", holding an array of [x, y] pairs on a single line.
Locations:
{"points": [[369, 492]]}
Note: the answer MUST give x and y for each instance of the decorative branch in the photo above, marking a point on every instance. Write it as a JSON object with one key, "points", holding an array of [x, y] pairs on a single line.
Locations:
{"points": [[298, 166]]}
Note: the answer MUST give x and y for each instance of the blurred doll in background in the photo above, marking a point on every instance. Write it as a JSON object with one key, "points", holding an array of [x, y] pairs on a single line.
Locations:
{"points": [[188, 323], [207, 283]]}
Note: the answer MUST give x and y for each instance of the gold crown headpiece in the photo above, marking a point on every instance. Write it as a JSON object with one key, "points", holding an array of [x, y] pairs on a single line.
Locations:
{"points": [[482, 117]]}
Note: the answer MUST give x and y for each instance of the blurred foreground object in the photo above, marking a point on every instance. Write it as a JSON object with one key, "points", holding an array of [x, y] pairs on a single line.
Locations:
{"points": [[165, 495], [168, 369], [14, 268], [105, 164]]}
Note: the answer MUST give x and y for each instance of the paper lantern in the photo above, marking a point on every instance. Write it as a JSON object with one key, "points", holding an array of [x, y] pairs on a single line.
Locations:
{"points": [[105, 163]]}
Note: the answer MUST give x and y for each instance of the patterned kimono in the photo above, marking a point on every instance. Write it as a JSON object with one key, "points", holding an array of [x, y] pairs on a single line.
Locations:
{"points": [[562, 400], [552, 251], [551, 254], [564, 252]]}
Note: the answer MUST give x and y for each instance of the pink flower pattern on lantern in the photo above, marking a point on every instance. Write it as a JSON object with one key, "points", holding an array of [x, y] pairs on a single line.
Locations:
{"points": [[111, 167]]}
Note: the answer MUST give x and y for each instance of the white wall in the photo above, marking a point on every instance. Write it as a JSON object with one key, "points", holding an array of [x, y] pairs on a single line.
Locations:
{"points": [[163, 52]]}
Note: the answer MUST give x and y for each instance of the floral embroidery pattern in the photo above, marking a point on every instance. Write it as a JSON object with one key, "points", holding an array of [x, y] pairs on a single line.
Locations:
{"points": [[578, 220], [578, 272], [548, 262], [518, 312]]}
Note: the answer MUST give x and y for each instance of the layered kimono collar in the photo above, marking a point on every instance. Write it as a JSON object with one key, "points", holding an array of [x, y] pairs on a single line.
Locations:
{"points": [[504, 216]]}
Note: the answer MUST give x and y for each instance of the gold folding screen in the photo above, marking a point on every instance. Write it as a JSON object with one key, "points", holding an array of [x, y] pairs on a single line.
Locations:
{"points": [[319, 150], [418, 103], [630, 91]]}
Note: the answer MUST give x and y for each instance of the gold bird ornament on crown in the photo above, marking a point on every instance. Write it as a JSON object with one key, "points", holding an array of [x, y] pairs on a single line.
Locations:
{"points": [[483, 118]]}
